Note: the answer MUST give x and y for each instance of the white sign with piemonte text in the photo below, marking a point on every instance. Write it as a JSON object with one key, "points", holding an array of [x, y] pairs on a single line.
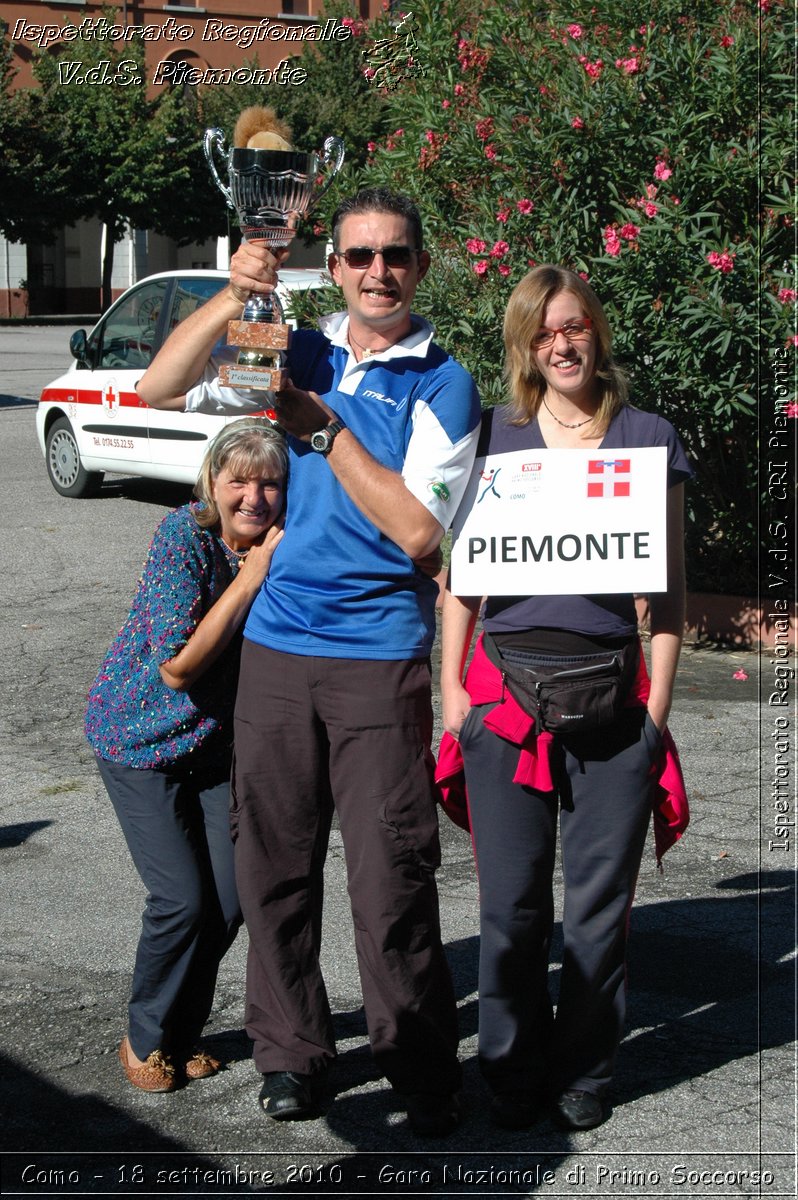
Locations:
{"points": [[563, 522]]}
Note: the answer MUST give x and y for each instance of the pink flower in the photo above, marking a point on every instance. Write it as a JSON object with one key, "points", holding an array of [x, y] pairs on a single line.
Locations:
{"points": [[594, 69], [446, 103], [525, 206], [490, 151], [575, 31], [727, 41], [480, 267], [459, 89], [630, 231], [504, 269], [662, 170], [347, 21], [793, 341], [499, 249], [651, 190], [721, 262], [502, 215], [765, 5], [650, 209], [476, 245], [544, 91], [786, 295], [369, 72], [398, 133], [371, 147], [583, 275], [792, 409], [740, 674], [431, 137], [612, 243], [629, 66], [578, 123], [484, 128]]}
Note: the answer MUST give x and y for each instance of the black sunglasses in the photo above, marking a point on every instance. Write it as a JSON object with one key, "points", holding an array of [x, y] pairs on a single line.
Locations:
{"points": [[360, 257]]}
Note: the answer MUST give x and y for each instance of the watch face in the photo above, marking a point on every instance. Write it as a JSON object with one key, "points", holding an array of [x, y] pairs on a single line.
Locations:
{"points": [[323, 439]]}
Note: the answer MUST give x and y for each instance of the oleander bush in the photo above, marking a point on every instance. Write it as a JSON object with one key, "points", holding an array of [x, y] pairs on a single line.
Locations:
{"points": [[648, 146]]}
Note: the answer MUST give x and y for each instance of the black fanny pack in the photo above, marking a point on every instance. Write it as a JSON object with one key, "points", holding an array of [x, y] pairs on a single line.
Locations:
{"points": [[568, 694]]}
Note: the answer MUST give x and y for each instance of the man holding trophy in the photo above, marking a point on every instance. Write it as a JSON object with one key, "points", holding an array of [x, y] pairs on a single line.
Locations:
{"points": [[334, 704]]}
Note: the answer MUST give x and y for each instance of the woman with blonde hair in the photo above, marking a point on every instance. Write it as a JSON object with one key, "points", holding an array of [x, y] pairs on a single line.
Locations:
{"points": [[160, 720], [522, 772]]}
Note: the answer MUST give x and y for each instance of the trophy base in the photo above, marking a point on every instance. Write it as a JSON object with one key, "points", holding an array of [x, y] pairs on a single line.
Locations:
{"points": [[267, 379], [258, 335], [272, 230]]}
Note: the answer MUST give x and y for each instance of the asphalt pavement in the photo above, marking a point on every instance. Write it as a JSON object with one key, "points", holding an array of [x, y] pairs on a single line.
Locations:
{"points": [[704, 1098]]}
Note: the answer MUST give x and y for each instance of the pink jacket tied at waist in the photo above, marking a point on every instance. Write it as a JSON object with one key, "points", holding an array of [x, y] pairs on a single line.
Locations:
{"points": [[484, 685]]}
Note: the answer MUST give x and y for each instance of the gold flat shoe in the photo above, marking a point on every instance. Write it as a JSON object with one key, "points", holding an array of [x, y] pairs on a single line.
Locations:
{"points": [[156, 1075], [201, 1066]]}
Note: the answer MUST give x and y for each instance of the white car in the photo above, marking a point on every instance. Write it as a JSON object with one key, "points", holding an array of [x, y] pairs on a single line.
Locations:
{"points": [[90, 419]]}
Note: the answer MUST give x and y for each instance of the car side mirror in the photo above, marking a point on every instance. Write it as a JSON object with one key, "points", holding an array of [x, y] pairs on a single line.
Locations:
{"points": [[79, 348]]}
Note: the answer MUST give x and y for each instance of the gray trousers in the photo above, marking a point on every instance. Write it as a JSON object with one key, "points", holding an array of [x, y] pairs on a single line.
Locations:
{"points": [[604, 798], [312, 733]]}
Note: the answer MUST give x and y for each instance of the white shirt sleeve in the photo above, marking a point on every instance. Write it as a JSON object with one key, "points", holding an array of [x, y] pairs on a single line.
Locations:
{"points": [[436, 470]]}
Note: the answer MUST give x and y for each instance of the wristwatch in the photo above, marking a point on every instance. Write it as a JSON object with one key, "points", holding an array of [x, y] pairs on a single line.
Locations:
{"points": [[321, 441]]}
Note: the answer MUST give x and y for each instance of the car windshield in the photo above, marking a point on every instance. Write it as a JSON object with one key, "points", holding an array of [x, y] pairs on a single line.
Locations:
{"points": [[127, 338], [189, 295]]}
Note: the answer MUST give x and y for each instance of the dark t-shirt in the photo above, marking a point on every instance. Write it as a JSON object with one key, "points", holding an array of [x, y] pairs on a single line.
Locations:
{"points": [[599, 616]]}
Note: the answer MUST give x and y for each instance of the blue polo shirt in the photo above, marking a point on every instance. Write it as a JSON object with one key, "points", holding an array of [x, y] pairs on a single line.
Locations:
{"points": [[337, 586]]}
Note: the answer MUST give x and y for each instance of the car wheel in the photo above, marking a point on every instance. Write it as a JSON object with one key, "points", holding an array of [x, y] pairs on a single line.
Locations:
{"points": [[67, 473]]}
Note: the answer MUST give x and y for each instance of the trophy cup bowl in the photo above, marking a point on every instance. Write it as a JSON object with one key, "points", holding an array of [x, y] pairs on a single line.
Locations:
{"points": [[269, 191]]}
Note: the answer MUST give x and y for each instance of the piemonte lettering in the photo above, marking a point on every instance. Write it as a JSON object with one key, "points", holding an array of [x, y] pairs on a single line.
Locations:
{"points": [[568, 547]]}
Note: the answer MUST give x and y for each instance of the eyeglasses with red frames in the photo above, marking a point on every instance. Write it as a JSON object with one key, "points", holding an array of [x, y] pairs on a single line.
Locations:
{"points": [[361, 257], [573, 331]]}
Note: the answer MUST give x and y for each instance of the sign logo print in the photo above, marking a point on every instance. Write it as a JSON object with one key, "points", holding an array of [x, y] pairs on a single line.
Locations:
{"points": [[490, 480], [610, 482]]}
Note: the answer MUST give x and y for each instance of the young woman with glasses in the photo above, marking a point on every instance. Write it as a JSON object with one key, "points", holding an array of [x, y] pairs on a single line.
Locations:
{"points": [[566, 392]]}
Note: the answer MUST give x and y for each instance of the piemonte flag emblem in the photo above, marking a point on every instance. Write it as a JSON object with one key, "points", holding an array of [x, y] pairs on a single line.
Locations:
{"points": [[606, 477]]}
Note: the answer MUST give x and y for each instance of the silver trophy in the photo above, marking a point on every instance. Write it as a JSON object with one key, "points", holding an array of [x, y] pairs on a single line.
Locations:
{"points": [[269, 190]]}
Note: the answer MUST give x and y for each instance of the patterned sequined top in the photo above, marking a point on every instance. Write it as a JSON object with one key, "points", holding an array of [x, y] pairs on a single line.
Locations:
{"points": [[132, 717]]}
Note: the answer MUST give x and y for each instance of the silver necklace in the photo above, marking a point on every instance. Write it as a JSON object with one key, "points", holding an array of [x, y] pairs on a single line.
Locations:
{"points": [[565, 425]]}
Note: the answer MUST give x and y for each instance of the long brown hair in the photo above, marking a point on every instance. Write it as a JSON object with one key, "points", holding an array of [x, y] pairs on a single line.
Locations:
{"points": [[247, 447], [523, 319]]}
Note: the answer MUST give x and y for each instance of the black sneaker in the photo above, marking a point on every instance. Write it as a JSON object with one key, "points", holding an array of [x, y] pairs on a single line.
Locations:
{"points": [[578, 1110], [433, 1114], [289, 1096], [513, 1110]]}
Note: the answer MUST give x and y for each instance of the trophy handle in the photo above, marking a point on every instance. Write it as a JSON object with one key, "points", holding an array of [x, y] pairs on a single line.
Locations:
{"points": [[333, 152], [215, 138]]}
